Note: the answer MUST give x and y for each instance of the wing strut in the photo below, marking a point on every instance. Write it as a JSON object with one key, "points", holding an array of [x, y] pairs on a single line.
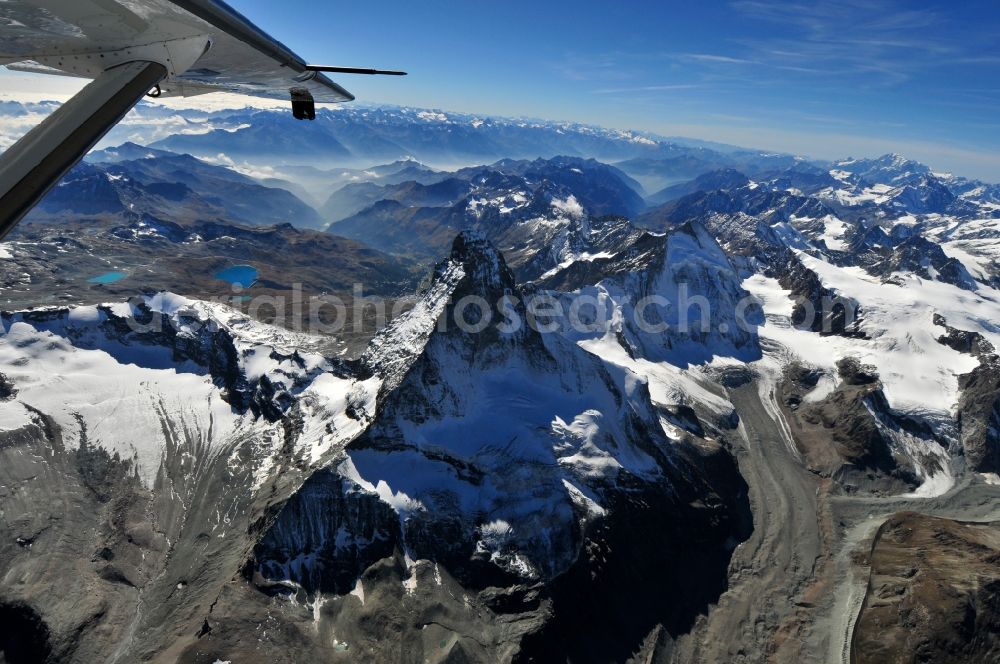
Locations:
{"points": [[33, 165]]}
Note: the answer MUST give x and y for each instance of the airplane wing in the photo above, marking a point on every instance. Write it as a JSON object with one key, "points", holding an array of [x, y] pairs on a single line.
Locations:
{"points": [[243, 59], [131, 48]]}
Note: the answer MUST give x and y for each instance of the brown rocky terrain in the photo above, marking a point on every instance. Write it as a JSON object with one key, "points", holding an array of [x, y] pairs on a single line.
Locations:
{"points": [[933, 594]]}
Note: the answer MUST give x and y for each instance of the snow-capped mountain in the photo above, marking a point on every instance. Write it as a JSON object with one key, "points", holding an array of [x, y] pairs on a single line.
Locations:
{"points": [[346, 142], [670, 278], [888, 219], [494, 491], [889, 169]]}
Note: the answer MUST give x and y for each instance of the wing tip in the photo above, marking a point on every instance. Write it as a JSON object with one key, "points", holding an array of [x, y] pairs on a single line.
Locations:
{"points": [[326, 82]]}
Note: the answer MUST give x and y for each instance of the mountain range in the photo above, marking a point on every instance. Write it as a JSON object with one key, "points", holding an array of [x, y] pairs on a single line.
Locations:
{"points": [[647, 400]]}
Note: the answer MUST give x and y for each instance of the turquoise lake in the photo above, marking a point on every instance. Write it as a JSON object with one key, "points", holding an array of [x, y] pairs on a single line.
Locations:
{"points": [[244, 275], [107, 278]]}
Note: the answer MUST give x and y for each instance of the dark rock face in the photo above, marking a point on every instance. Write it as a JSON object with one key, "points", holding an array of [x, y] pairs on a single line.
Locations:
{"points": [[598, 236], [637, 252], [854, 373], [7, 389], [750, 240], [979, 415], [926, 195], [972, 343], [644, 544], [24, 636], [979, 401], [326, 536], [818, 308], [904, 250], [933, 594]]}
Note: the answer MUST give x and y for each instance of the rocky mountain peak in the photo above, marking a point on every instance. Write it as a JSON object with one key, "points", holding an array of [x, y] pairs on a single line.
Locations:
{"points": [[484, 267], [925, 194], [469, 286]]}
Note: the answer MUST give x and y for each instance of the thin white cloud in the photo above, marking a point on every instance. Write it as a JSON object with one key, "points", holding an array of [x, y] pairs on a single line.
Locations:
{"points": [[874, 42], [711, 57]]}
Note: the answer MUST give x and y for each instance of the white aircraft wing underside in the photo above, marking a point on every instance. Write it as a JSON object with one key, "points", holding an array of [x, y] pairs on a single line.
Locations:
{"points": [[75, 36]]}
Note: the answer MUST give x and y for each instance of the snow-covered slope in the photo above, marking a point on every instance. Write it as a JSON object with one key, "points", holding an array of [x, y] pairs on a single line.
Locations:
{"points": [[142, 446], [134, 377]]}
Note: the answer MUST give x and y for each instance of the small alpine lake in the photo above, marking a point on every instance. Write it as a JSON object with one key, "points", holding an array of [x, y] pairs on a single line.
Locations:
{"points": [[243, 275], [107, 278]]}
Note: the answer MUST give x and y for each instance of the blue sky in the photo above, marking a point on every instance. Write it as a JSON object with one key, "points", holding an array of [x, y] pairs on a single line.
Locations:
{"points": [[824, 79]]}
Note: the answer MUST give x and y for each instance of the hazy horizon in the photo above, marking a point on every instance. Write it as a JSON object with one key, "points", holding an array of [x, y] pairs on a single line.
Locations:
{"points": [[57, 89]]}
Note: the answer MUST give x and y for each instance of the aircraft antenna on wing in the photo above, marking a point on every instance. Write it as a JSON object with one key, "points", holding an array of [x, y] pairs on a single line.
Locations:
{"points": [[355, 70]]}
